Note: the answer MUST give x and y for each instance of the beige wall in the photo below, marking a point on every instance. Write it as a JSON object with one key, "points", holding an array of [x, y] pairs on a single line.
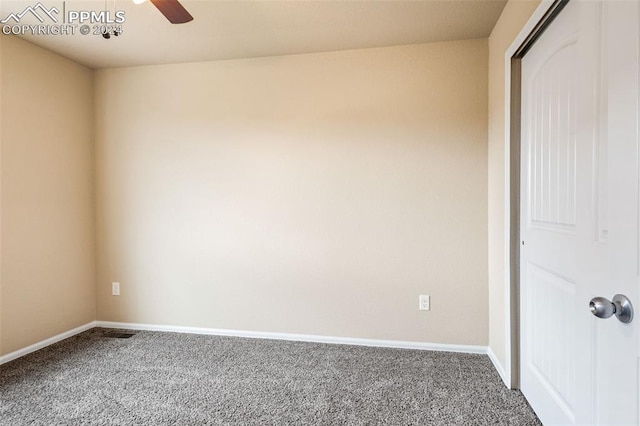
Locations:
{"points": [[47, 209], [514, 16], [316, 194]]}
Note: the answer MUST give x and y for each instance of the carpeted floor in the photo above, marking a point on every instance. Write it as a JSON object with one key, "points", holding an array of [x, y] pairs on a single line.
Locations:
{"points": [[157, 378]]}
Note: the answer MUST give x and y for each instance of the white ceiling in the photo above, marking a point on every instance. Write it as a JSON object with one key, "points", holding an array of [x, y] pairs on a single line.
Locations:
{"points": [[244, 29]]}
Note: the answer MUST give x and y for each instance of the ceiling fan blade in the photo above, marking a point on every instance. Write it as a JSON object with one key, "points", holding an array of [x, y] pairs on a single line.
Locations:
{"points": [[173, 11]]}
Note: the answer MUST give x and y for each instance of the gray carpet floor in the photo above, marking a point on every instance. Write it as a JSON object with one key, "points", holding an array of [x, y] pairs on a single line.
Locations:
{"points": [[158, 378]]}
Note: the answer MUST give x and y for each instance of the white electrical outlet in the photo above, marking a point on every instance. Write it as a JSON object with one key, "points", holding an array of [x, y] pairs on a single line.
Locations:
{"points": [[115, 289], [424, 303]]}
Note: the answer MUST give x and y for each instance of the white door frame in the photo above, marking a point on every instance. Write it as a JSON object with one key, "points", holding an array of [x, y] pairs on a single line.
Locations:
{"points": [[541, 17]]}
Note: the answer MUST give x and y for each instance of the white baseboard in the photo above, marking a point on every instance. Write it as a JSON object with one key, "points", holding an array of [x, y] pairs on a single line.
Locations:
{"points": [[398, 344], [46, 342], [499, 368]]}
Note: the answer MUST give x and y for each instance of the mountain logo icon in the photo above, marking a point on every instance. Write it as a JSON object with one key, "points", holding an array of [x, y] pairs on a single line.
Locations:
{"points": [[36, 11]]}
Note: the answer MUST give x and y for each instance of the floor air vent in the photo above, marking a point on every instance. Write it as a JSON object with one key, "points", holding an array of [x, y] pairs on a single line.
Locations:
{"points": [[116, 335]]}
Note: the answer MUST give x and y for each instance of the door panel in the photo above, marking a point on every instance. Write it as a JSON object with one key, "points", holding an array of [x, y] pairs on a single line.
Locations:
{"points": [[552, 203], [550, 284], [552, 347], [579, 214]]}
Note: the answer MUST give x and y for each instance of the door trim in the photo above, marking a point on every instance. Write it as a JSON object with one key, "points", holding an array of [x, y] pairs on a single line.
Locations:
{"points": [[539, 21]]}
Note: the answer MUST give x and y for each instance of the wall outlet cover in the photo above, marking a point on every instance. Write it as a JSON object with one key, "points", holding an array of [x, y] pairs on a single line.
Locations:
{"points": [[424, 302]]}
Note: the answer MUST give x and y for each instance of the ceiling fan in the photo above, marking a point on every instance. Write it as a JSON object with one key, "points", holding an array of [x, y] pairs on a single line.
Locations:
{"points": [[171, 9]]}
